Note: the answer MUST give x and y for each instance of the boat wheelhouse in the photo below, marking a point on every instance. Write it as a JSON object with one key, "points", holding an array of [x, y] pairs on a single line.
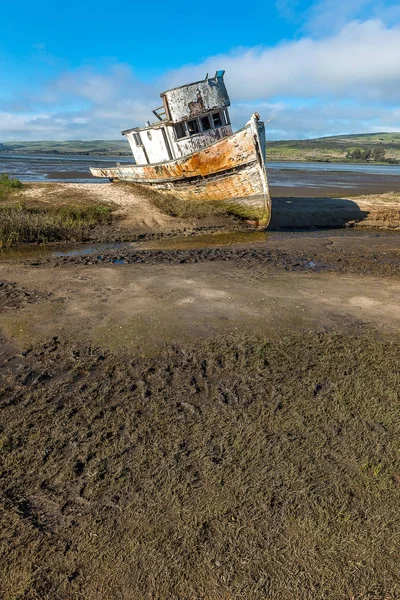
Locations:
{"points": [[191, 118]]}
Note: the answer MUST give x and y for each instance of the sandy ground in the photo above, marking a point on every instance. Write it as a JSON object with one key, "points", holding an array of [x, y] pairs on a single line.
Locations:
{"points": [[306, 210], [144, 305], [133, 308], [135, 212]]}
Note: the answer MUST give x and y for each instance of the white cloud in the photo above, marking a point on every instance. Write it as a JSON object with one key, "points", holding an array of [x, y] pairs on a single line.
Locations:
{"points": [[346, 82], [361, 62], [329, 16]]}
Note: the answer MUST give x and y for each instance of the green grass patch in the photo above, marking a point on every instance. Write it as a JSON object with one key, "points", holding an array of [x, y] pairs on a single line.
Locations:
{"points": [[187, 209], [184, 209], [23, 224], [7, 183], [53, 215], [8, 186]]}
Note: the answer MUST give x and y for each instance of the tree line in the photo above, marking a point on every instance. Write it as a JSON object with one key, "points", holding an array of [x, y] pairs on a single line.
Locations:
{"points": [[375, 154]]}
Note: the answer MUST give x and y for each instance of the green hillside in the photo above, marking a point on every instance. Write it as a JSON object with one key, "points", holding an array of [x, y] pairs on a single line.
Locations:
{"points": [[335, 148], [365, 138], [92, 147]]}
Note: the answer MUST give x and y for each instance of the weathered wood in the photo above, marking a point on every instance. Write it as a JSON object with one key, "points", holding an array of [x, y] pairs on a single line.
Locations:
{"points": [[231, 169]]}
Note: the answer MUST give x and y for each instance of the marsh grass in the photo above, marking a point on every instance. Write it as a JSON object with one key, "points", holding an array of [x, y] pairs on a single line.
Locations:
{"points": [[29, 224], [195, 209], [176, 207], [50, 215], [237, 468]]}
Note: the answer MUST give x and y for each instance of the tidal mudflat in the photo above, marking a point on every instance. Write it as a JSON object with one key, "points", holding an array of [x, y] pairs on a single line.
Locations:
{"points": [[217, 421]]}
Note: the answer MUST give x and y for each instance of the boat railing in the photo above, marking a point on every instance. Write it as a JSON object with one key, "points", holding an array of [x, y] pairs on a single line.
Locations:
{"points": [[160, 113]]}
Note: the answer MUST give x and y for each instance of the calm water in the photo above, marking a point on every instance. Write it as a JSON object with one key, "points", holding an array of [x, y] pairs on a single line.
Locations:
{"points": [[285, 174], [221, 239], [56, 168]]}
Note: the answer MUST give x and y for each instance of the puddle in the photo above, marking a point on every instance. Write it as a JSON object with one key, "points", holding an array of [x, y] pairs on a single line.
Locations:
{"points": [[228, 238], [32, 251], [86, 250], [220, 239]]}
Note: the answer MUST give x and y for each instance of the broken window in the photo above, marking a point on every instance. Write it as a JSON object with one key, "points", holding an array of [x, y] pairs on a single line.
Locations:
{"points": [[180, 130], [217, 119], [205, 123], [193, 127], [138, 139]]}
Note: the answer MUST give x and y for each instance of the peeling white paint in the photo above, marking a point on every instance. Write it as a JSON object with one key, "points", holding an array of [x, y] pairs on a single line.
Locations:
{"points": [[195, 99], [161, 141]]}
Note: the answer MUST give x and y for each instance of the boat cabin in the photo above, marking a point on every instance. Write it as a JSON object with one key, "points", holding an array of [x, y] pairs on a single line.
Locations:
{"points": [[192, 116]]}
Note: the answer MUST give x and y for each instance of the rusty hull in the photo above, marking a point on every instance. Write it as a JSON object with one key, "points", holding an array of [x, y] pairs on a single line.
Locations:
{"points": [[231, 169]]}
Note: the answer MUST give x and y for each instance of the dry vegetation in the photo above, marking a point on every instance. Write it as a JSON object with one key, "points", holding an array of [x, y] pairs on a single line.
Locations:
{"points": [[43, 213], [196, 209], [238, 468], [388, 197], [176, 207]]}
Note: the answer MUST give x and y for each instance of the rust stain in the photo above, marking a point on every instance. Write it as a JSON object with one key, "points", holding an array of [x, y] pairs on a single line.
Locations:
{"points": [[225, 154], [228, 153], [196, 107]]}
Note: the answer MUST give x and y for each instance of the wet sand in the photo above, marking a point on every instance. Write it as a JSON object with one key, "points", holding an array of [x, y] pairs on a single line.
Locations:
{"points": [[150, 296]]}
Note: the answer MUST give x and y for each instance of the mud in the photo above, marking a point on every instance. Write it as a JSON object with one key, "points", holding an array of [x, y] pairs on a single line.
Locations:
{"points": [[340, 254], [13, 295]]}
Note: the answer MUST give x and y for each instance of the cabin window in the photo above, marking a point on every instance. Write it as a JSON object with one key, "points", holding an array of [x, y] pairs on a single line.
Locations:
{"points": [[205, 123], [138, 139], [193, 127], [180, 130], [217, 119], [226, 117]]}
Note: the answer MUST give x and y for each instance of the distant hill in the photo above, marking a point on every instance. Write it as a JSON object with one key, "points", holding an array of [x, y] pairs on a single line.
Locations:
{"points": [[363, 138], [78, 147], [325, 149], [334, 148]]}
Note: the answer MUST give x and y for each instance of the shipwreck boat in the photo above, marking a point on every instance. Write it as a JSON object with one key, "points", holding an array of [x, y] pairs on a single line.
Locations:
{"points": [[191, 152]]}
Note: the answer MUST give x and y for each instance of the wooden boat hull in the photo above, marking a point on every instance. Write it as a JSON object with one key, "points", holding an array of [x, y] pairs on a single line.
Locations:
{"points": [[230, 170]]}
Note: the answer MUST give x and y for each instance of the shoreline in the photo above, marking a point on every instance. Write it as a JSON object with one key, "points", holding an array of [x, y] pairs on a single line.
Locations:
{"points": [[7, 154]]}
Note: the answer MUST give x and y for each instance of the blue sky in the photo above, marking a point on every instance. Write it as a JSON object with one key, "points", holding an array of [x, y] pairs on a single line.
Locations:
{"points": [[86, 70]]}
